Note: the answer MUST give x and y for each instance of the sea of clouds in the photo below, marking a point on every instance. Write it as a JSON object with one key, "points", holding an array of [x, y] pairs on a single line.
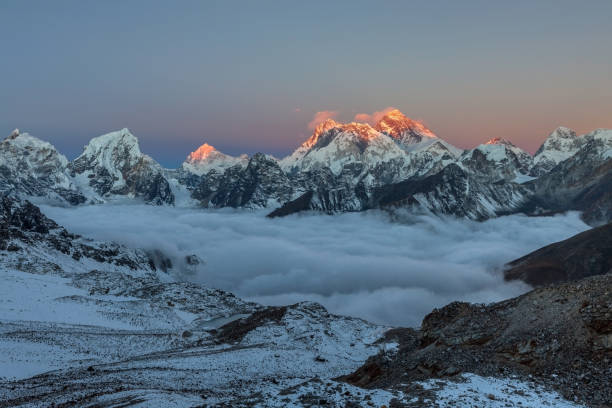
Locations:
{"points": [[362, 264]]}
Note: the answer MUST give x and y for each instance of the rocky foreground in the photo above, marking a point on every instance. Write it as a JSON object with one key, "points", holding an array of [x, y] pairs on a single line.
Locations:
{"points": [[559, 336], [88, 323]]}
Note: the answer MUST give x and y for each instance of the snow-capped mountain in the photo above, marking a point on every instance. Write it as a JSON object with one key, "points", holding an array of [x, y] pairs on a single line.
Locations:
{"points": [[560, 145], [405, 131], [113, 165], [582, 182], [335, 146], [262, 183], [32, 167], [293, 160], [207, 158], [341, 167], [498, 159]]}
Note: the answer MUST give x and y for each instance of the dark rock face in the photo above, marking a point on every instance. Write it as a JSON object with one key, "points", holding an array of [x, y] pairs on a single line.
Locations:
{"points": [[302, 203], [562, 141], [124, 172], [253, 187], [481, 183], [235, 331], [583, 255], [583, 182], [559, 335], [451, 191], [111, 164], [31, 167], [22, 225], [18, 216], [514, 161]]}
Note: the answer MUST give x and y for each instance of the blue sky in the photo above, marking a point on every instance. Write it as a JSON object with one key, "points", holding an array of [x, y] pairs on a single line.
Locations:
{"points": [[249, 76]]}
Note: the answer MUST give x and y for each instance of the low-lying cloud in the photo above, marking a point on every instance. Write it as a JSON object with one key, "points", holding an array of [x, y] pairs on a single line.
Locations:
{"points": [[359, 264]]}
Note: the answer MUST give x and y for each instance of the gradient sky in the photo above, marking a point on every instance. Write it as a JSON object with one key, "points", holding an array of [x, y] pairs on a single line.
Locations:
{"points": [[249, 76]]}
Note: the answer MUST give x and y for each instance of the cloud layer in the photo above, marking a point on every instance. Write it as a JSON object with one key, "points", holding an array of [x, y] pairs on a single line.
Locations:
{"points": [[355, 264]]}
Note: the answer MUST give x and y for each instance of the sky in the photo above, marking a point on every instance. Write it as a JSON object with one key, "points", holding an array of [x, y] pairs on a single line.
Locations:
{"points": [[250, 76]]}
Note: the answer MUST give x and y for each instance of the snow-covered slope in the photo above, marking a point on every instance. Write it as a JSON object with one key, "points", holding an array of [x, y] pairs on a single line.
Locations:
{"points": [[207, 158], [34, 168], [113, 165], [292, 161], [73, 309]]}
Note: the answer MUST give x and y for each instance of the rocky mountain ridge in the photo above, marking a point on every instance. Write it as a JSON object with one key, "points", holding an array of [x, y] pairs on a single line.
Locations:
{"points": [[341, 167]]}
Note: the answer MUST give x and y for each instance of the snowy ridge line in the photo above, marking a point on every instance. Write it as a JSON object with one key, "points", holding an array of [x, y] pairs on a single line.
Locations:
{"points": [[341, 167]]}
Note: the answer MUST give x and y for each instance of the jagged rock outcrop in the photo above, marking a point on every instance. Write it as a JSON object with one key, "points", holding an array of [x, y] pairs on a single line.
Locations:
{"points": [[34, 168], [261, 183], [23, 227], [453, 190], [559, 335], [559, 145], [496, 160], [581, 256], [582, 182], [112, 165]]}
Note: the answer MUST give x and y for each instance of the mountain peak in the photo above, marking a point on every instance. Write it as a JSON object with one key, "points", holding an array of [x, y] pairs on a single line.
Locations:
{"points": [[201, 153], [395, 114], [321, 128], [563, 132], [112, 141], [206, 158], [403, 129], [499, 141], [325, 126], [14, 134]]}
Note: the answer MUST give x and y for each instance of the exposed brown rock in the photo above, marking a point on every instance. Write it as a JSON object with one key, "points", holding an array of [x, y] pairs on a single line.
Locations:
{"points": [[586, 254], [559, 335]]}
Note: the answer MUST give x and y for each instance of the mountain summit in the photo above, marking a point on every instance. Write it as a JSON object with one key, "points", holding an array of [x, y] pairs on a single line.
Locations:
{"points": [[335, 145], [113, 165], [402, 129], [499, 141], [206, 158]]}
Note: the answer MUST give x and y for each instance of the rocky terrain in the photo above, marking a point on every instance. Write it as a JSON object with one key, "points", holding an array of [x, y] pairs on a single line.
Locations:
{"points": [[92, 323], [89, 323], [559, 336], [397, 162], [581, 256]]}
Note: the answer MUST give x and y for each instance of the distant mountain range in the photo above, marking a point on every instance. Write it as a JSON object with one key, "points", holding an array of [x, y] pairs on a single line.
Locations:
{"points": [[397, 163]]}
